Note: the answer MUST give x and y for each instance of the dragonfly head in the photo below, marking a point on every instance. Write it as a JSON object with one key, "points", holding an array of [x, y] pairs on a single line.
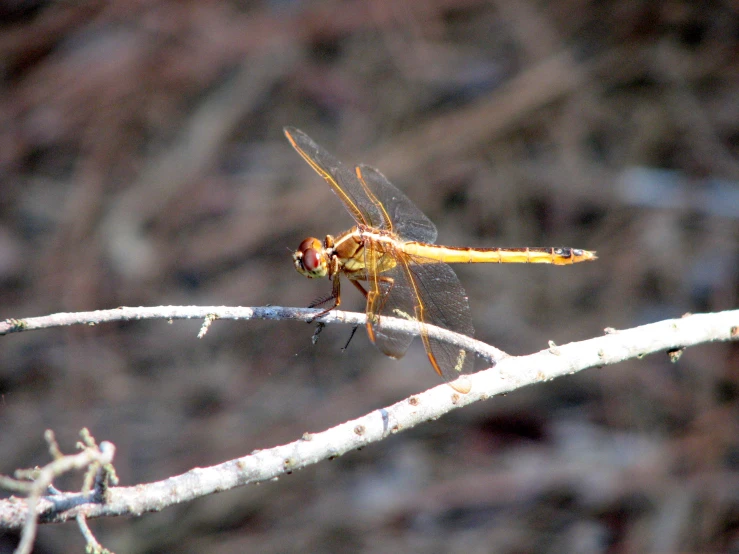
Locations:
{"points": [[311, 258]]}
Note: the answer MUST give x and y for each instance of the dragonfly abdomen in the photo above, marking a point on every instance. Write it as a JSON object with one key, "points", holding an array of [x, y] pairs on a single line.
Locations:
{"points": [[527, 255]]}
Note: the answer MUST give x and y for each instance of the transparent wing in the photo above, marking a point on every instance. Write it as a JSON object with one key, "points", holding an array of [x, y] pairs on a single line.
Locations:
{"points": [[407, 221], [343, 181], [431, 294], [388, 295]]}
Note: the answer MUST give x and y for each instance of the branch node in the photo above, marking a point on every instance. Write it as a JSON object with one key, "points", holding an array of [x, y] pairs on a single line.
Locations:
{"points": [[554, 349], [209, 319]]}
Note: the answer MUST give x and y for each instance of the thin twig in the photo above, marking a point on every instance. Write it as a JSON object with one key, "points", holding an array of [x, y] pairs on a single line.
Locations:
{"points": [[211, 313], [93, 546], [42, 481]]}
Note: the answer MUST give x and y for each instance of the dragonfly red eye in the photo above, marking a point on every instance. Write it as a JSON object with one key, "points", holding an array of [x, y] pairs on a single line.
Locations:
{"points": [[311, 259]]}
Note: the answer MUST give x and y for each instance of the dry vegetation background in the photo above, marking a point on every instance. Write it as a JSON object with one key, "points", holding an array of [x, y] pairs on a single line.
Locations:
{"points": [[142, 162]]}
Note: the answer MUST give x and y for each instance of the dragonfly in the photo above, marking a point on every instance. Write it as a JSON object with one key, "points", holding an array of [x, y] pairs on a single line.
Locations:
{"points": [[391, 258]]}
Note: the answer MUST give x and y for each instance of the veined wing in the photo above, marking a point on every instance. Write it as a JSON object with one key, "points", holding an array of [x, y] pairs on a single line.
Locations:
{"points": [[429, 293], [407, 221], [343, 181]]}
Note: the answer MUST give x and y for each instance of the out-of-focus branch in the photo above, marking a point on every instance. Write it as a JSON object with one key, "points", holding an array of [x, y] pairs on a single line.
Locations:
{"points": [[36, 482]]}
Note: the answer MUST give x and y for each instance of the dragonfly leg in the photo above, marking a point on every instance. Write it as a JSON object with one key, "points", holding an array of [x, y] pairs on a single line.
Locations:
{"points": [[321, 301], [335, 296], [360, 287], [319, 328], [354, 330], [375, 302]]}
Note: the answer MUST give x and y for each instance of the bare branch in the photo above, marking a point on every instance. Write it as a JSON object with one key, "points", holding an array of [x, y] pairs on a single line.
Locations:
{"points": [[211, 313], [509, 374]]}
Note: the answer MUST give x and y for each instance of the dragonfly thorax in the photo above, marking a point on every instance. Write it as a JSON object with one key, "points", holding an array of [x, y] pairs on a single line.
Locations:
{"points": [[311, 258]]}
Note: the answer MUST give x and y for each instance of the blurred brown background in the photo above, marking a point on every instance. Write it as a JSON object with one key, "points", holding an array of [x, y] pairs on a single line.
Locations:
{"points": [[142, 162]]}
